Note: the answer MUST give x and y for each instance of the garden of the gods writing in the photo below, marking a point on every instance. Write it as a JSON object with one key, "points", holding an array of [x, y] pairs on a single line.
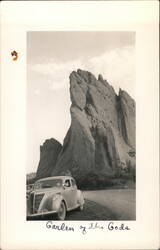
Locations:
{"points": [[98, 150]]}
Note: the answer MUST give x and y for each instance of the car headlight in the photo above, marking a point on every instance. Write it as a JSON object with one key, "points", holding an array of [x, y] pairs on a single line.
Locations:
{"points": [[55, 197]]}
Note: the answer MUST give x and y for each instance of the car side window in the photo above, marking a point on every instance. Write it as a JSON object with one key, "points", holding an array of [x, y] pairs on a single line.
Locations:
{"points": [[67, 183]]}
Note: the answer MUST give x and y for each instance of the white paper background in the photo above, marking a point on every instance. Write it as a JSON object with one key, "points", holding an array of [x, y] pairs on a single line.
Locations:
{"points": [[16, 19]]}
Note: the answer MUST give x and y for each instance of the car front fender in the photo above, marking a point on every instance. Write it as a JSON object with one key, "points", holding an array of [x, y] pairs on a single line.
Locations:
{"points": [[51, 203], [56, 201]]}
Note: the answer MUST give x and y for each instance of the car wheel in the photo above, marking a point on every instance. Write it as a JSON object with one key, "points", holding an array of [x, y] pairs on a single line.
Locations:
{"points": [[61, 214]]}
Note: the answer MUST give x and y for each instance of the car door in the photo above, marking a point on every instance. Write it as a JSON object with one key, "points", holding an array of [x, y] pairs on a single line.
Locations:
{"points": [[74, 192], [68, 193]]}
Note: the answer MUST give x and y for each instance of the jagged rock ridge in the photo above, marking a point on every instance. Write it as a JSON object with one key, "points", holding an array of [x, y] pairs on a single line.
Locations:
{"points": [[101, 138]]}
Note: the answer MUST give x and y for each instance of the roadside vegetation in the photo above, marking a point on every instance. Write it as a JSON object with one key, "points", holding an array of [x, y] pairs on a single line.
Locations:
{"points": [[121, 178]]}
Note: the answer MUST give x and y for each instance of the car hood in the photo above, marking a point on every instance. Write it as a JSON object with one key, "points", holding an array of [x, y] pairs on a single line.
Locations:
{"points": [[47, 191]]}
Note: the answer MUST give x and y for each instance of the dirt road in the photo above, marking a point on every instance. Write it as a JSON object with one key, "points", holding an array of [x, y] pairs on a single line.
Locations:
{"points": [[120, 201]]}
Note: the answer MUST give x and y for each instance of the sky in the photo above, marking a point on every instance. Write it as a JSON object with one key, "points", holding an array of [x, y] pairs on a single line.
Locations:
{"points": [[51, 57]]}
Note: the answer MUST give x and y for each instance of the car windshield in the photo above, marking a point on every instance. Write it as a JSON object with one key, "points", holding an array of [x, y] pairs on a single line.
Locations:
{"points": [[48, 184]]}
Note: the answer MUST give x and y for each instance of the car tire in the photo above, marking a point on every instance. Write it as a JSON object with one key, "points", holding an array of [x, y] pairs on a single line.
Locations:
{"points": [[61, 214]]}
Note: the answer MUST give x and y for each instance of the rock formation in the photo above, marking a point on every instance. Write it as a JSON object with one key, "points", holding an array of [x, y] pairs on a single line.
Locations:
{"points": [[101, 138], [49, 152]]}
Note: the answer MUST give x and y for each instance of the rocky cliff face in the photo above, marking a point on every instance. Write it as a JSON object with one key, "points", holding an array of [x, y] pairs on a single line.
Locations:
{"points": [[101, 138], [49, 152]]}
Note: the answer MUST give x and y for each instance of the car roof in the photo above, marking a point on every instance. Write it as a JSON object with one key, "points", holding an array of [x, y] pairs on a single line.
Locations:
{"points": [[56, 177]]}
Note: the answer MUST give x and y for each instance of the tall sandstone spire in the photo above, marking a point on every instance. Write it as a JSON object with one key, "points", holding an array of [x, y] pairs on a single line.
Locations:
{"points": [[101, 138]]}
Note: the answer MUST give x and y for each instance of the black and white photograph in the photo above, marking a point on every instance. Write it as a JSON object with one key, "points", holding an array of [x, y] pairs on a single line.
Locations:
{"points": [[81, 148], [79, 125]]}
